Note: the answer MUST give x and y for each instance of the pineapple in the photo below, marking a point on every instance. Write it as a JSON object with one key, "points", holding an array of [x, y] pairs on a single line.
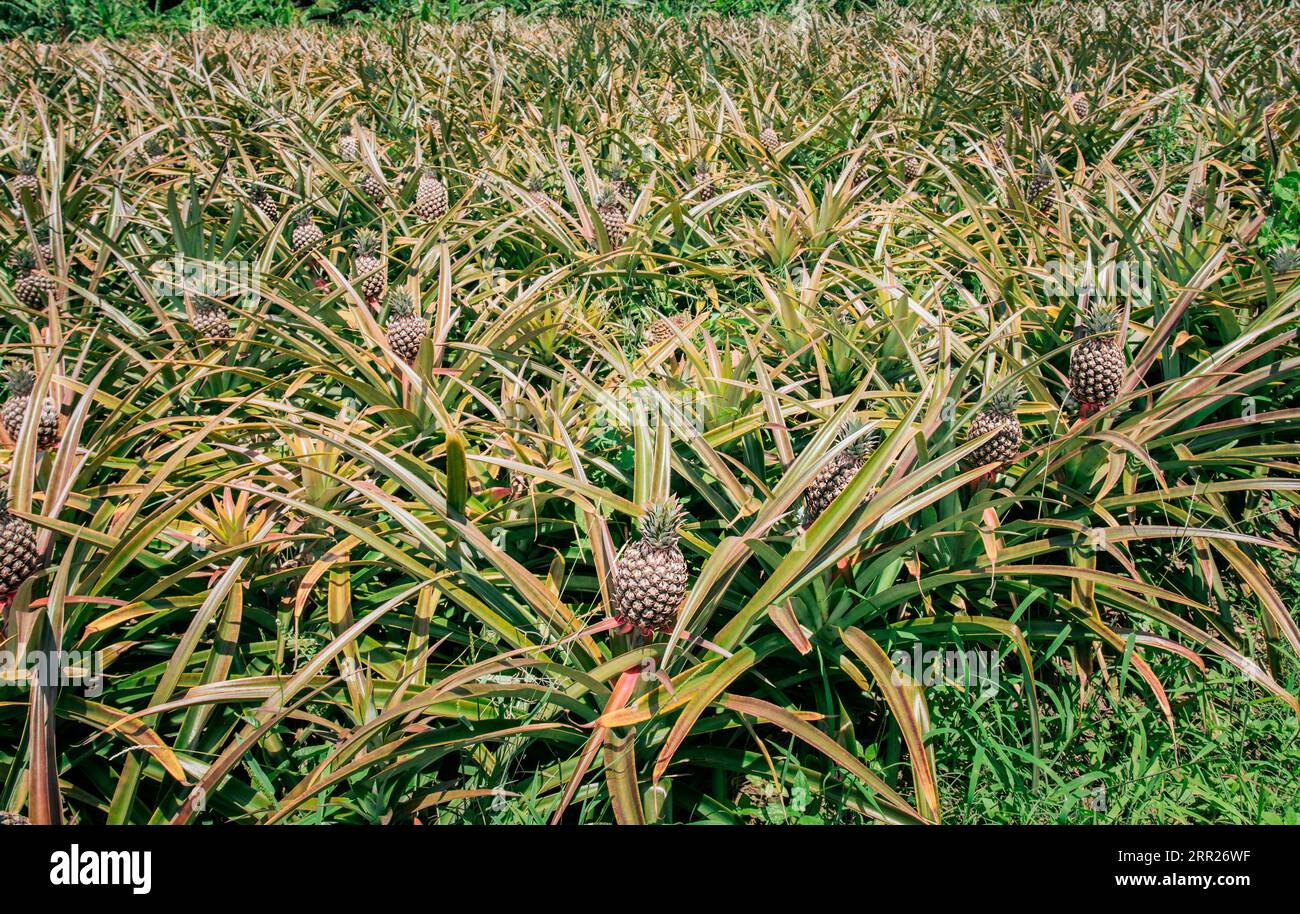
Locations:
{"points": [[406, 329], [372, 185], [210, 322], [1285, 259], [368, 267], [661, 329], [155, 150], [30, 286], [13, 818], [650, 573], [26, 178], [19, 560], [430, 197], [704, 181], [1096, 362], [520, 485], [998, 416], [912, 167], [536, 188], [1079, 104], [21, 380], [612, 218], [305, 233], [1042, 178], [347, 144], [618, 180], [768, 137], [265, 203], [838, 473]]}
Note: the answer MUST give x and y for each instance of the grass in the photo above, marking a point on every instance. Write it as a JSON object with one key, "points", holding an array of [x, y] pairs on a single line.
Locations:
{"points": [[327, 585]]}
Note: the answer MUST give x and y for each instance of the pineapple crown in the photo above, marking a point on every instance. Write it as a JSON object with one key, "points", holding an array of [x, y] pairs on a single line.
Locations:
{"points": [[345, 130], [400, 303], [1044, 165], [661, 521], [863, 444], [259, 193], [700, 167], [617, 172], [1100, 320], [1005, 399], [428, 174], [302, 215], [27, 166], [154, 146], [19, 378], [608, 199], [24, 259], [1285, 259], [535, 183], [366, 243]]}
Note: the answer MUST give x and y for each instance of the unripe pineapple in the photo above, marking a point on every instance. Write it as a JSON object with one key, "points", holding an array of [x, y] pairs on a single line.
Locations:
{"points": [[704, 181], [536, 188], [347, 144], [998, 416], [263, 200], [1080, 105], [368, 268], [1285, 259], [1042, 178], [30, 286], [406, 329], [305, 233], [372, 185], [612, 217], [650, 573], [430, 197], [13, 818], [211, 323], [768, 137], [1096, 361], [21, 380], [838, 473], [912, 168], [19, 560], [661, 329], [25, 179]]}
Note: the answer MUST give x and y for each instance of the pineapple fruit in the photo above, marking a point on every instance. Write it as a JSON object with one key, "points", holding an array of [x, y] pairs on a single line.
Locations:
{"points": [[1042, 178], [769, 138], [838, 473], [430, 196], [998, 416], [368, 268], [1079, 104], [211, 323], [1285, 259], [372, 185], [25, 179], [306, 235], [406, 330], [13, 818], [704, 181], [610, 211], [19, 560], [265, 203], [536, 188], [347, 144], [14, 412], [662, 329], [30, 286], [650, 573], [912, 167], [1096, 362]]}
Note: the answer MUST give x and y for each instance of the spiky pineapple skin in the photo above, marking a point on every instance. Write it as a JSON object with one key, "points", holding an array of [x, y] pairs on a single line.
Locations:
{"points": [[1003, 447], [306, 236], [1080, 105], [370, 271], [15, 411], [649, 585], [615, 223], [32, 288], [212, 324], [1096, 371], [661, 329], [348, 148], [829, 483], [405, 334], [912, 168], [768, 137], [430, 198], [267, 205], [19, 558], [13, 818], [706, 191]]}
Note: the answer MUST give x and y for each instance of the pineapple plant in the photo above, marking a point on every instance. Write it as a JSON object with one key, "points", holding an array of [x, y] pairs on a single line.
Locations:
{"points": [[305, 234], [406, 330], [26, 178], [211, 322], [265, 203], [20, 381], [368, 270], [610, 211], [430, 196], [999, 416], [650, 573], [769, 138], [704, 181], [19, 560], [1285, 259], [13, 818], [839, 472], [347, 144], [662, 329], [535, 186], [30, 286], [1096, 361]]}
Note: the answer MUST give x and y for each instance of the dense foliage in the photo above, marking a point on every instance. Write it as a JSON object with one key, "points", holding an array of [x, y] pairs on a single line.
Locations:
{"points": [[339, 561]]}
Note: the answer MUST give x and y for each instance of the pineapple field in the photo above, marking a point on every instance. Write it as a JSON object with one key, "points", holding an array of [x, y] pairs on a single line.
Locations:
{"points": [[889, 416]]}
